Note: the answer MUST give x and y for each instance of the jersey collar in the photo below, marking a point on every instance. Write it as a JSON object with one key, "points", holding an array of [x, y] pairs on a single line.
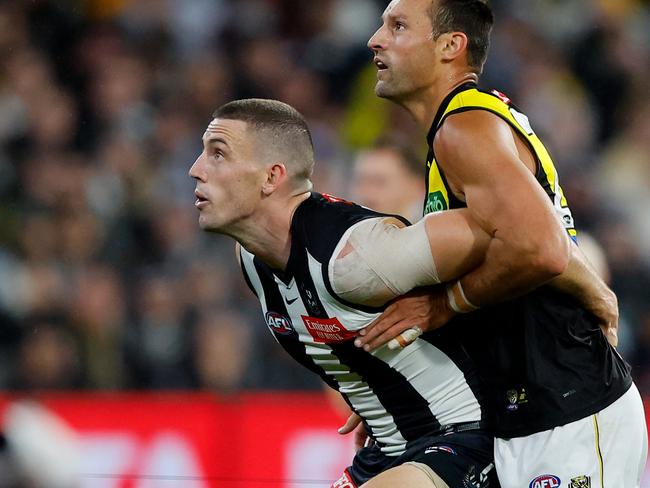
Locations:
{"points": [[443, 107]]}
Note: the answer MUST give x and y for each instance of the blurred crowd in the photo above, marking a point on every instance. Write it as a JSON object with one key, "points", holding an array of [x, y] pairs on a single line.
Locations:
{"points": [[107, 281]]}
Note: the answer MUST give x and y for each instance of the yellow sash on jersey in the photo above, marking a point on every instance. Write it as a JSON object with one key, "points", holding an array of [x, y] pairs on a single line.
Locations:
{"points": [[473, 99]]}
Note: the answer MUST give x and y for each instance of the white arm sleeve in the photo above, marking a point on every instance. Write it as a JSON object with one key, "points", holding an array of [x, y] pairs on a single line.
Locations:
{"points": [[386, 261]]}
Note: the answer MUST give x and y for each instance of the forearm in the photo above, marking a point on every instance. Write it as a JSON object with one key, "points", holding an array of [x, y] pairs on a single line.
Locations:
{"points": [[581, 280], [505, 274]]}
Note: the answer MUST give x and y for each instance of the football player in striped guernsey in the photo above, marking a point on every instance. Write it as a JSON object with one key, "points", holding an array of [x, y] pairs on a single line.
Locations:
{"points": [[323, 269], [559, 396]]}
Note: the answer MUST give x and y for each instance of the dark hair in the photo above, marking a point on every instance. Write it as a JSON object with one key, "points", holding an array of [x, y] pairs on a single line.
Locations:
{"points": [[282, 129], [472, 17], [409, 157]]}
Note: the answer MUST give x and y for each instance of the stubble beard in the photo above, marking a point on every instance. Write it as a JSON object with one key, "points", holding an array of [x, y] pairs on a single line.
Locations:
{"points": [[385, 90], [390, 91]]}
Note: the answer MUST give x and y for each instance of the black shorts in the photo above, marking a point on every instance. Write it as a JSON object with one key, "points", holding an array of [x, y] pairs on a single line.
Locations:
{"points": [[462, 460]]}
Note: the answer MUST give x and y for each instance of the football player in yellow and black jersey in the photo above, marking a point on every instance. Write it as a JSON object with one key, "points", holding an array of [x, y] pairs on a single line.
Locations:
{"points": [[561, 399]]}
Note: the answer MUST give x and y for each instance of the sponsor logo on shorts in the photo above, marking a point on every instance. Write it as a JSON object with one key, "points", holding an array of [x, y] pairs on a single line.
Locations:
{"points": [[580, 482], [278, 323], [470, 480], [432, 449], [344, 481], [545, 481], [327, 330]]}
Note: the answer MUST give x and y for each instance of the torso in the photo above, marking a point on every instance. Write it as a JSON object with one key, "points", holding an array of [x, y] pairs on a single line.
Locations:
{"points": [[401, 395], [542, 358]]}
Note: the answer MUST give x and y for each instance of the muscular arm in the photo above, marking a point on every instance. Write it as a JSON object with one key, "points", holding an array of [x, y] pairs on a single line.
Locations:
{"points": [[381, 258], [529, 247], [452, 245]]}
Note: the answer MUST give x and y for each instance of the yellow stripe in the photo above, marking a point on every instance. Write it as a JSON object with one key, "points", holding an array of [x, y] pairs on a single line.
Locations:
{"points": [[436, 183], [475, 99], [598, 453]]}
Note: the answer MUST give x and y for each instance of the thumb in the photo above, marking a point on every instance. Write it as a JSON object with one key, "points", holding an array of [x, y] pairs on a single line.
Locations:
{"points": [[350, 424], [613, 336], [611, 333]]}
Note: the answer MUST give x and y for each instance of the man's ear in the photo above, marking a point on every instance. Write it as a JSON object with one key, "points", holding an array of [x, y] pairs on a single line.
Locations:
{"points": [[452, 45], [275, 175]]}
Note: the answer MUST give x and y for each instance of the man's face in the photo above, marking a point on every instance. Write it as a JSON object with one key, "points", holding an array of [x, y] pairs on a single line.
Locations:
{"points": [[404, 49], [228, 176], [382, 182]]}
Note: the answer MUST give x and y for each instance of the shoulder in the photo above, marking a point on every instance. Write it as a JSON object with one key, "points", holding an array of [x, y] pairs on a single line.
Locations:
{"points": [[473, 135], [325, 212], [323, 219]]}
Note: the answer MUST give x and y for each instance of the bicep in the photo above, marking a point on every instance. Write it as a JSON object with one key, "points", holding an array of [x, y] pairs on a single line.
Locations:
{"points": [[458, 243], [479, 153]]}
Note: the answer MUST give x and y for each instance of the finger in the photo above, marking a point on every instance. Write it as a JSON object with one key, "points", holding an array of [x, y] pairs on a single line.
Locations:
{"points": [[360, 438], [405, 338], [387, 335], [386, 319], [370, 334], [350, 424]]}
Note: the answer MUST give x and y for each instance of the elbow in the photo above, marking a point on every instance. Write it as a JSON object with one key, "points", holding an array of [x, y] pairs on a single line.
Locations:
{"points": [[552, 256], [553, 263], [545, 259]]}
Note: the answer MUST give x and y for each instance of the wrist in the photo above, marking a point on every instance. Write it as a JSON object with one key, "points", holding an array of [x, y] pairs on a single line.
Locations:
{"points": [[457, 299]]}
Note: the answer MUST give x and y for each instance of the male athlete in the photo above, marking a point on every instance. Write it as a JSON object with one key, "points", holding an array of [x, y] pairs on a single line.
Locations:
{"points": [[560, 398], [387, 177], [323, 269]]}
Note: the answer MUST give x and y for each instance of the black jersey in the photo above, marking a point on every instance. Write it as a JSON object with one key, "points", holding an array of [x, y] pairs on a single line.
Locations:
{"points": [[427, 389], [543, 359]]}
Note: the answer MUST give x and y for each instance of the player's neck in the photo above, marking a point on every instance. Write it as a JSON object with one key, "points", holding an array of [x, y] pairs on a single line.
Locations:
{"points": [[267, 234], [424, 105]]}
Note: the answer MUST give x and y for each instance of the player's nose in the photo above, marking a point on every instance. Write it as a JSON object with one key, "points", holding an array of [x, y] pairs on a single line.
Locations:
{"points": [[196, 170], [376, 42]]}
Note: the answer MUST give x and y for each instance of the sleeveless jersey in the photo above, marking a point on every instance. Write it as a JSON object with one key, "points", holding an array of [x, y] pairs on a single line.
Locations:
{"points": [[428, 388], [543, 359]]}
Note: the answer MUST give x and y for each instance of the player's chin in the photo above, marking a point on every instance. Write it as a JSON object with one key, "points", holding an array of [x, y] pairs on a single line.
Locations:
{"points": [[206, 224], [383, 90]]}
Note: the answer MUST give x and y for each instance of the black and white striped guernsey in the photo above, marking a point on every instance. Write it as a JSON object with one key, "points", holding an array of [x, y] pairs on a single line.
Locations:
{"points": [[428, 388]]}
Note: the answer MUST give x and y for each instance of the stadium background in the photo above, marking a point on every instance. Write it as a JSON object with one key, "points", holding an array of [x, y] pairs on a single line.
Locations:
{"points": [[124, 322]]}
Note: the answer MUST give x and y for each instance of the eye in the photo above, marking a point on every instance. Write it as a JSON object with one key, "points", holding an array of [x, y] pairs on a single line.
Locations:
{"points": [[399, 26]]}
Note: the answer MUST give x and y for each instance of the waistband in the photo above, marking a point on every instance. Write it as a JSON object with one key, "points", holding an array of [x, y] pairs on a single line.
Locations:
{"points": [[460, 427], [446, 429]]}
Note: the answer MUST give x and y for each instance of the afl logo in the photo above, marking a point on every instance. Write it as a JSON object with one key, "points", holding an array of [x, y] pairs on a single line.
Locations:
{"points": [[278, 323], [545, 481]]}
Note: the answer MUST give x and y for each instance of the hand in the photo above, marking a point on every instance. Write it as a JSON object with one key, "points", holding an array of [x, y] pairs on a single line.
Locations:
{"points": [[426, 308], [353, 423], [605, 309]]}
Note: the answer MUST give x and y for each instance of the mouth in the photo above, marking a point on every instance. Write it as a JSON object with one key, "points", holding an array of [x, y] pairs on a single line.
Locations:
{"points": [[201, 200], [381, 66]]}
